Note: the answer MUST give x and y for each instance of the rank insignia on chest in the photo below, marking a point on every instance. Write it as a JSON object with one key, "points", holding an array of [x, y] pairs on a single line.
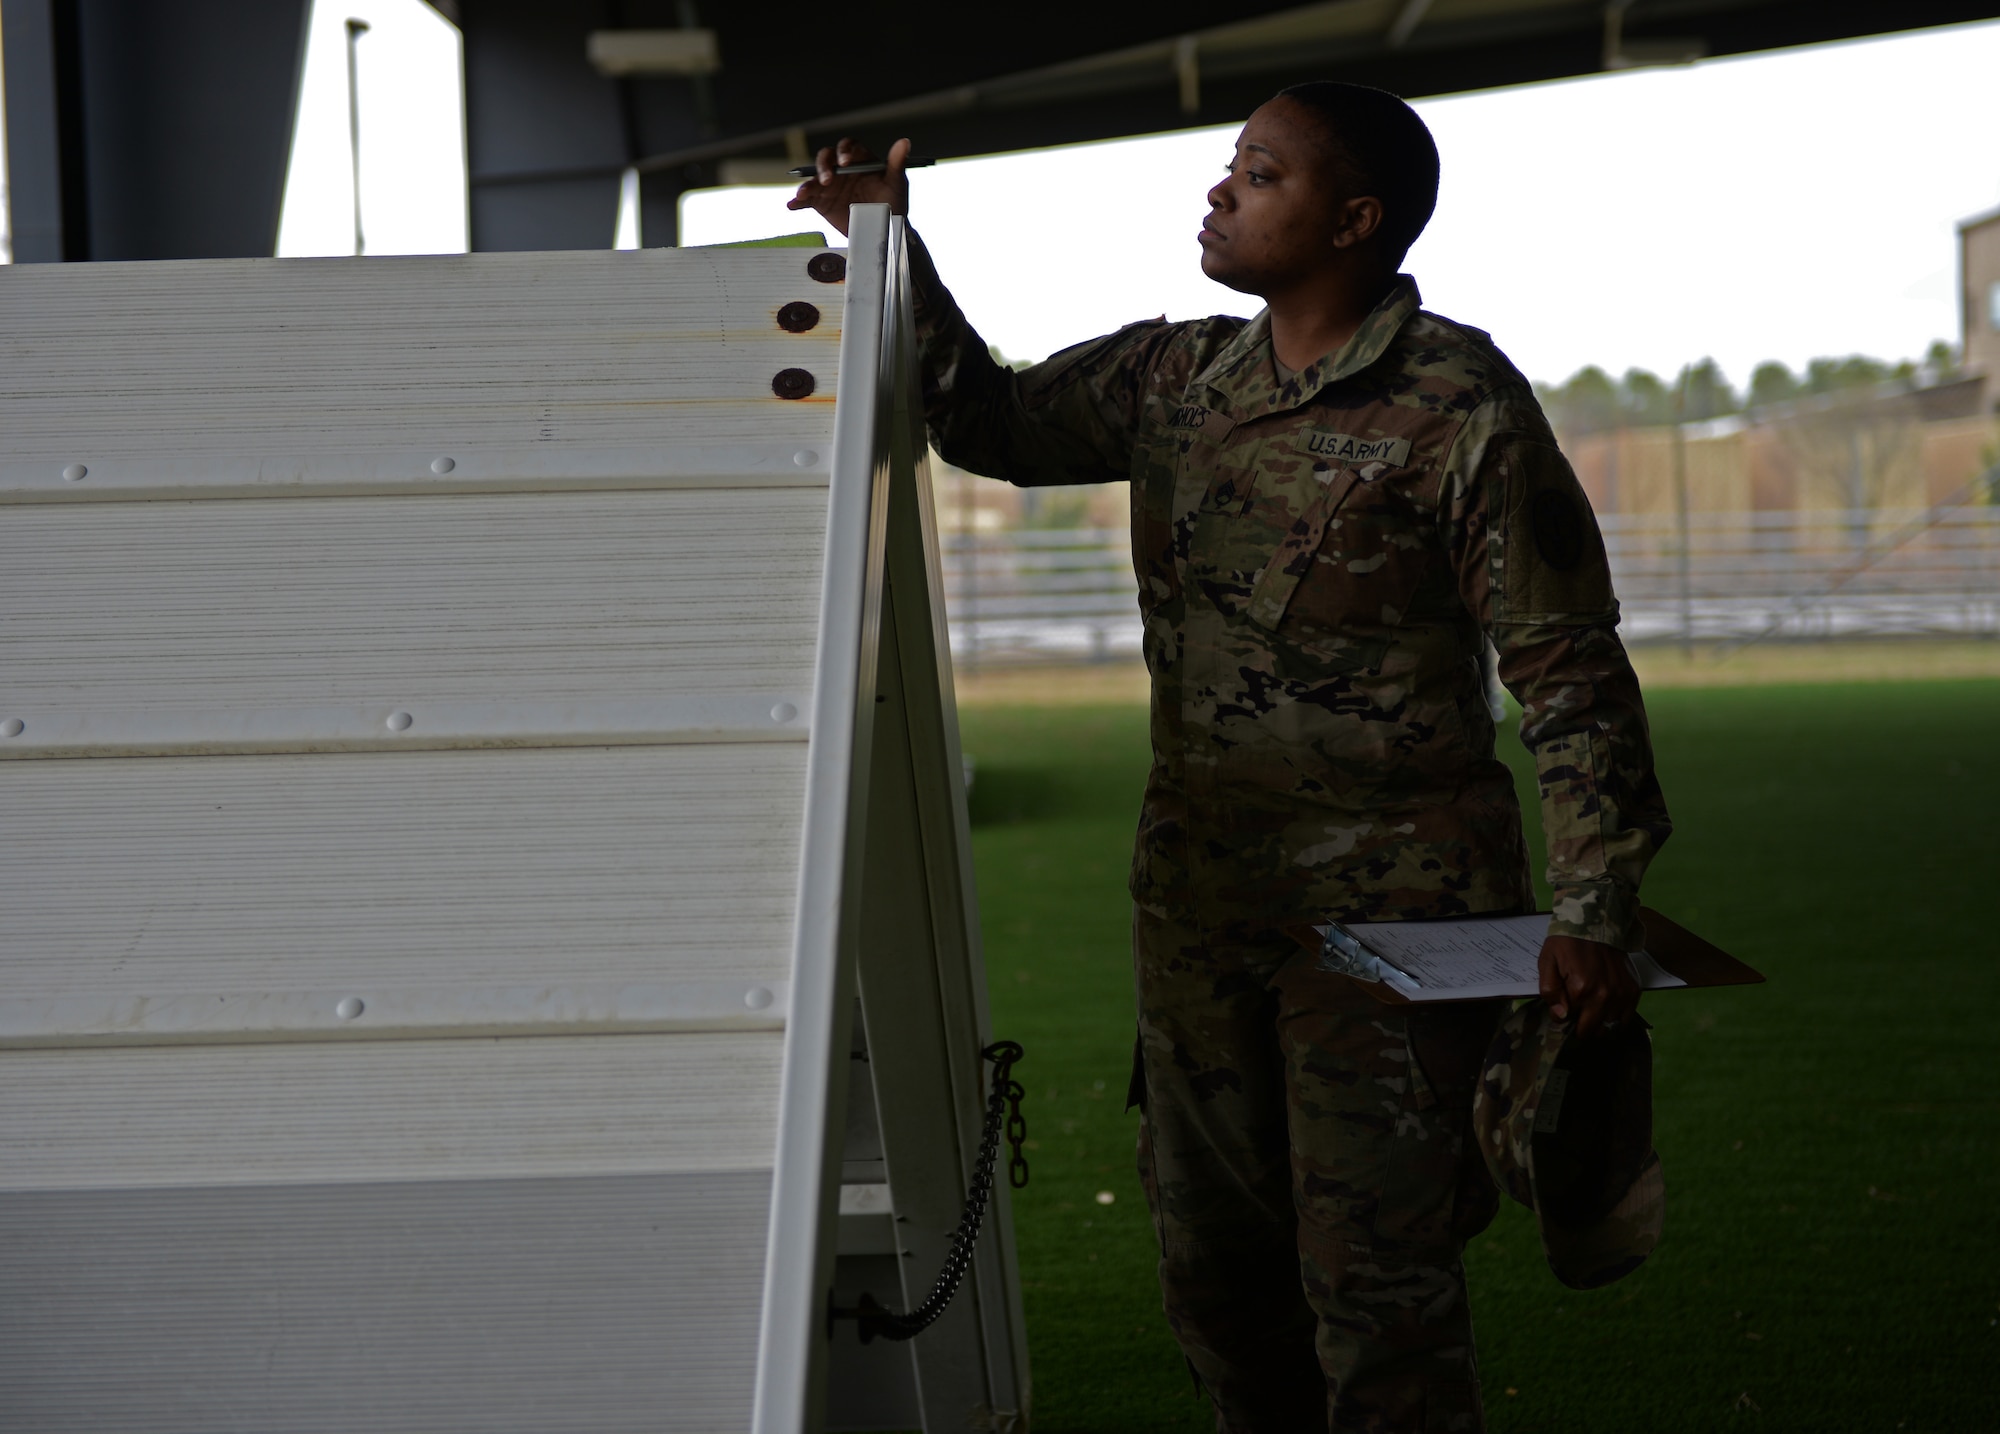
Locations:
{"points": [[1346, 448]]}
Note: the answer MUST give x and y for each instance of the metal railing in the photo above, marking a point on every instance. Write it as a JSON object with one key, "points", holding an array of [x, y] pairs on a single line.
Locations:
{"points": [[1036, 595], [1069, 595], [1801, 575]]}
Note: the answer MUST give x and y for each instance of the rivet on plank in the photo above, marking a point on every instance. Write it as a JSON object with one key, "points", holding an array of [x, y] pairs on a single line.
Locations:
{"points": [[792, 383]]}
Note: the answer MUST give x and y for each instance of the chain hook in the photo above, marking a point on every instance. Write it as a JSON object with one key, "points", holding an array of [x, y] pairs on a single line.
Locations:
{"points": [[1004, 1103]]}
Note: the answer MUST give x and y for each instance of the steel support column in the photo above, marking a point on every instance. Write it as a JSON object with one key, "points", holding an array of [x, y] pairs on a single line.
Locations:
{"points": [[149, 129]]}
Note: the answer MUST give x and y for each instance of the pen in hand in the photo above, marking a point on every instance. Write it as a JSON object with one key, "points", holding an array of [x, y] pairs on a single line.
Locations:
{"points": [[873, 166]]}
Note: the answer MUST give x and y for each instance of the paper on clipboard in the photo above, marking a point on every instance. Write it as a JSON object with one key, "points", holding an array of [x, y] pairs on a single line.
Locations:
{"points": [[1468, 959]]}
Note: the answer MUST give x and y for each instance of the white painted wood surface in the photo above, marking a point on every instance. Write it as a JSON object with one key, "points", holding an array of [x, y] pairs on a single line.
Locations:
{"points": [[437, 706], [586, 1306], [327, 1112], [259, 874], [598, 610], [515, 366], [128, 1017], [388, 652]]}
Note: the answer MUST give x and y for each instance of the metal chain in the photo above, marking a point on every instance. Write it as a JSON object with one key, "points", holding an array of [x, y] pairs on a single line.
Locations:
{"points": [[1017, 1126], [875, 1318]]}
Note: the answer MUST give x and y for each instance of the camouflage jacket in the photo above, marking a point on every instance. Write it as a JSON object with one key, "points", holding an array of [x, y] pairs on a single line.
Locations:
{"points": [[1320, 561]]}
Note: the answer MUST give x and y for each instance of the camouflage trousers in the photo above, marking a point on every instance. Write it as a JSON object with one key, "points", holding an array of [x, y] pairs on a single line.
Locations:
{"points": [[1305, 1151]]}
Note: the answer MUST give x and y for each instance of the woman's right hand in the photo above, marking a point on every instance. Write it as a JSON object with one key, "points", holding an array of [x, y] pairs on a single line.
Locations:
{"points": [[832, 195]]}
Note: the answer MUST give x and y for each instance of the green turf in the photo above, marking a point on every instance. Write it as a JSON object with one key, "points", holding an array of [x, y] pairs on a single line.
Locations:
{"points": [[1831, 1259]]}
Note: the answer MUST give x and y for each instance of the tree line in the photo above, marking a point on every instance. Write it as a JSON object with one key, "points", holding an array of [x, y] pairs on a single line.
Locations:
{"points": [[1592, 401]]}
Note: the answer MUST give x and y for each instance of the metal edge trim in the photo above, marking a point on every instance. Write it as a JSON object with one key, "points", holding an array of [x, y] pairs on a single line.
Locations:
{"points": [[791, 1342]]}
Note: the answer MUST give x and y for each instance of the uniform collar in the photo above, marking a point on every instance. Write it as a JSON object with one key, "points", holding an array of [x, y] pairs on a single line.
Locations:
{"points": [[1245, 379]]}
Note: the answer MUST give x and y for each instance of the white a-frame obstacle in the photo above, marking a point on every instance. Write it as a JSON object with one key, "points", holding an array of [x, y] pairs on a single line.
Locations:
{"points": [[486, 927]]}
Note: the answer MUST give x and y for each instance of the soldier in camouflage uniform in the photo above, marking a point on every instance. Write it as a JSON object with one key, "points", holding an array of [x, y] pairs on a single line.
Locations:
{"points": [[1322, 553]]}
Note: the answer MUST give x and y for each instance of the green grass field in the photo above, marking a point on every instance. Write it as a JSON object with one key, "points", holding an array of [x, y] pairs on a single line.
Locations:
{"points": [[1831, 1260]]}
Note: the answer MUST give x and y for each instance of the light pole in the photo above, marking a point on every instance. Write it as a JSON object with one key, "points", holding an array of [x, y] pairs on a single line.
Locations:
{"points": [[355, 30], [1686, 557]]}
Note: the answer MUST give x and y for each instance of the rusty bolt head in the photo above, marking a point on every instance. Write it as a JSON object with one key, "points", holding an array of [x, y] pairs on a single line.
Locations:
{"points": [[827, 268], [797, 316], [792, 383]]}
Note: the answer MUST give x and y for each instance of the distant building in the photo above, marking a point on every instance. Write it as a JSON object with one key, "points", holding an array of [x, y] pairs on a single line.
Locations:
{"points": [[1979, 272]]}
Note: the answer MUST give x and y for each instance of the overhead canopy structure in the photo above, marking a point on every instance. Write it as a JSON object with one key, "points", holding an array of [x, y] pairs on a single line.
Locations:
{"points": [[471, 729], [148, 129], [548, 133], [124, 115]]}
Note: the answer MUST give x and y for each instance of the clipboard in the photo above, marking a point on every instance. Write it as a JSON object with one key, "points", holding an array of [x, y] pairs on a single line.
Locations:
{"points": [[1692, 960]]}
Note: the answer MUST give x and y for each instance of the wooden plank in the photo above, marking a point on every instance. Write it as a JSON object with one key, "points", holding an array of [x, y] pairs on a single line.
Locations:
{"points": [[472, 357], [304, 1113], [610, 1008], [510, 1306], [255, 875], [295, 622]]}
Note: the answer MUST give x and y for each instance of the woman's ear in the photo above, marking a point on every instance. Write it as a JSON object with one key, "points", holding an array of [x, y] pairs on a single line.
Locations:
{"points": [[1357, 221]]}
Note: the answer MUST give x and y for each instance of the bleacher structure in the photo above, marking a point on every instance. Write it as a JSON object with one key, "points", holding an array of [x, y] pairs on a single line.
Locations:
{"points": [[489, 938]]}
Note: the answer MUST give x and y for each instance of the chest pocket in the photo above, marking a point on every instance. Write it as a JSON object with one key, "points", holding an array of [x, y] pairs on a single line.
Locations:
{"points": [[1347, 571]]}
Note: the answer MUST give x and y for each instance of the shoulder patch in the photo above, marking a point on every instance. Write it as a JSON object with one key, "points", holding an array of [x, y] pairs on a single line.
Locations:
{"points": [[1549, 563], [1558, 528], [1348, 448]]}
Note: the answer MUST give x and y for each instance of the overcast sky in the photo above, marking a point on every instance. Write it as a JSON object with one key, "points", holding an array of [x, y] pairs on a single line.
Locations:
{"points": [[1788, 205], [412, 135], [1785, 206]]}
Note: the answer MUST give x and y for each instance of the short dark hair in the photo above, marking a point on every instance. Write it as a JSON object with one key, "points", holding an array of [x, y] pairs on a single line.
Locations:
{"points": [[1384, 147]]}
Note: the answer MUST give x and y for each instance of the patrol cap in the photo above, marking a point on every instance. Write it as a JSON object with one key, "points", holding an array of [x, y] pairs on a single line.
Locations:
{"points": [[1566, 1127]]}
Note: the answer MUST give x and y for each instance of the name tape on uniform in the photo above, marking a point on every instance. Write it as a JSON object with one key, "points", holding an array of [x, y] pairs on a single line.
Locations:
{"points": [[1346, 448], [1193, 415]]}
